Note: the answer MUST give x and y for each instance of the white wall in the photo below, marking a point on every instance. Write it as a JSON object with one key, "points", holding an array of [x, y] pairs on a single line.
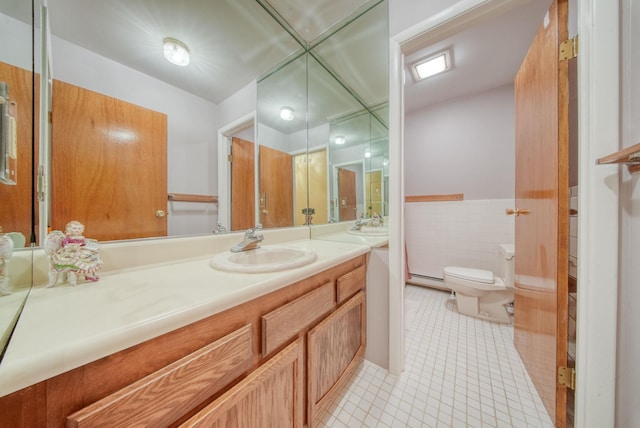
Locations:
{"points": [[466, 145], [628, 370]]}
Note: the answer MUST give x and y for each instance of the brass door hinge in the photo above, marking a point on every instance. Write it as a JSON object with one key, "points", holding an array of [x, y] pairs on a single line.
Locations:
{"points": [[569, 49], [567, 377], [50, 117], [230, 158]]}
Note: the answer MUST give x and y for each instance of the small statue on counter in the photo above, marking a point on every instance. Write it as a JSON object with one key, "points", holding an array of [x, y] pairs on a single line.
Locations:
{"points": [[6, 250], [72, 253]]}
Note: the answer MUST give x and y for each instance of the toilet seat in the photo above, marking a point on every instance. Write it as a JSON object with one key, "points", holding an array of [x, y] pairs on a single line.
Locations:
{"points": [[470, 274]]}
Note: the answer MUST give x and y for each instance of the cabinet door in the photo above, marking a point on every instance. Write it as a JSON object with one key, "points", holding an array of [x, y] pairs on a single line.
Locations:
{"points": [[271, 396], [336, 347]]}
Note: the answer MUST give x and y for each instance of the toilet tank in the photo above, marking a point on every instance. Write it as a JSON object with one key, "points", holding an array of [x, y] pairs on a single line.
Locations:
{"points": [[507, 263]]}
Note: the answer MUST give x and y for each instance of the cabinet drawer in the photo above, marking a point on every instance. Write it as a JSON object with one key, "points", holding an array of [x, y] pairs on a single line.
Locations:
{"points": [[271, 396], [286, 322], [350, 283], [166, 395]]}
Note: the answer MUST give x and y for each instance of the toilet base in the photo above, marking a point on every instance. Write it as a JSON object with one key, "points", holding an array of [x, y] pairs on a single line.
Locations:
{"points": [[469, 305]]}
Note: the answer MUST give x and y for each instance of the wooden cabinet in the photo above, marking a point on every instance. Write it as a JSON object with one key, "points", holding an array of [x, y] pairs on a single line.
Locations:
{"points": [[336, 347], [277, 360]]}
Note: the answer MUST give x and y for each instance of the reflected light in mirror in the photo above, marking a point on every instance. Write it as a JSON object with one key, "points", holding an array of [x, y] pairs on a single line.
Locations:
{"points": [[340, 139], [286, 113], [176, 52], [367, 154]]}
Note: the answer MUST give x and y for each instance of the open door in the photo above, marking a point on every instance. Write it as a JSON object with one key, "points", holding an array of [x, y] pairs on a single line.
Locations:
{"points": [[276, 188], [347, 194], [541, 231]]}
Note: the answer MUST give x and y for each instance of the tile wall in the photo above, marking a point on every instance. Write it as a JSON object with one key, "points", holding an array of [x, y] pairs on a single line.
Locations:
{"points": [[457, 233]]}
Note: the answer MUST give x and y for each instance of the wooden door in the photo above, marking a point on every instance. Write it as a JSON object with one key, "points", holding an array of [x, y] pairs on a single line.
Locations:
{"points": [[276, 188], [347, 194], [541, 243], [108, 165], [373, 192], [15, 208], [311, 187], [243, 193]]}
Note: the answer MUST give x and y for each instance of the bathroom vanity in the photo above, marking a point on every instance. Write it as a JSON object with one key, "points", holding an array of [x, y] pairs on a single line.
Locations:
{"points": [[270, 348]]}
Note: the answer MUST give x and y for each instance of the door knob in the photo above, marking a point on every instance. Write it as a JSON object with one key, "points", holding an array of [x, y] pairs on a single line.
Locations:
{"points": [[517, 211], [160, 213], [265, 212]]}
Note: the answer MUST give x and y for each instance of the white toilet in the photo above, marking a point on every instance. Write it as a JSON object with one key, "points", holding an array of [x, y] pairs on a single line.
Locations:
{"points": [[479, 293]]}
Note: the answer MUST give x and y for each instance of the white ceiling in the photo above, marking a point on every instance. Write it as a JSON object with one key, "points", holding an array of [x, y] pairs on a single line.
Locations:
{"points": [[486, 55], [233, 42]]}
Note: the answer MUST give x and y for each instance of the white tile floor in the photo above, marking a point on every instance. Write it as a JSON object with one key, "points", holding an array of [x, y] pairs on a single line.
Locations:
{"points": [[460, 372]]}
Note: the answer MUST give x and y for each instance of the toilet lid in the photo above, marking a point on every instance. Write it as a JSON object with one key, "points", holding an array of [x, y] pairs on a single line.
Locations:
{"points": [[470, 274]]}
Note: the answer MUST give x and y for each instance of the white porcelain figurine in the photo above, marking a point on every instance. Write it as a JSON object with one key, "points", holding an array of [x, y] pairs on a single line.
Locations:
{"points": [[72, 253]]}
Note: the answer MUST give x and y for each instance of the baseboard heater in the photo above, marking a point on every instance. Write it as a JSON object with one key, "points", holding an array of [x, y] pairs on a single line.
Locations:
{"points": [[427, 281]]}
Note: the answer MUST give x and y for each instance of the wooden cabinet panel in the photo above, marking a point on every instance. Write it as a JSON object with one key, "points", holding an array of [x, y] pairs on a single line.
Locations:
{"points": [[351, 283], [271, 396], [335, 349], [166, 395], [286, 322]]}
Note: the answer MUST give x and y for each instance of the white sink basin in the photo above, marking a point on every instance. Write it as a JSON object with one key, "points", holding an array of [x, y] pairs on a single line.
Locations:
{"points": [[264, 259], [370, 231]]}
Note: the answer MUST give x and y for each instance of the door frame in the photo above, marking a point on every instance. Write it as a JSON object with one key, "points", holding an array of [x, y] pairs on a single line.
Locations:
{"points": [[598, 204], [225, 134]]}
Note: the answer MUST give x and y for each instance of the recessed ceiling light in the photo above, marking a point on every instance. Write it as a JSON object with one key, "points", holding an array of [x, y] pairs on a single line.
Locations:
{"points": [[176, 52], [435, 64], [340, 139], [367, 154], [287, 113]]}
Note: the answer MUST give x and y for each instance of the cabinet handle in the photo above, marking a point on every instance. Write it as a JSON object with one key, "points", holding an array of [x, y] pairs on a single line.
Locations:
{"points": [[517, 211]]}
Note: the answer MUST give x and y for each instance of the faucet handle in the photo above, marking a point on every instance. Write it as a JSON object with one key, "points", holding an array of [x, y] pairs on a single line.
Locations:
{"points": [[258, 226]]}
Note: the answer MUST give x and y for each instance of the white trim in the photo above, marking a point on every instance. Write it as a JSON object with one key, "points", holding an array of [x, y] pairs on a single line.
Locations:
{"points": [[224, 172], [598, 114], [396, 209]]}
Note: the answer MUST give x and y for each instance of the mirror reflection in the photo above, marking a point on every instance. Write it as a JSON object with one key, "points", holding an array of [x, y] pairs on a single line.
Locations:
{"points": [[132, 150]]}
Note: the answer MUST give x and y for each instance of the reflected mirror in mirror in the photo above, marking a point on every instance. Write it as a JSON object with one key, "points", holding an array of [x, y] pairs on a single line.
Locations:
{"points": [[18, 136]]}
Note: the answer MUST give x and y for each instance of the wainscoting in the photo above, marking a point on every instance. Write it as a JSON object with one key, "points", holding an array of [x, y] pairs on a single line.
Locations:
{"points": [[461, 233]]}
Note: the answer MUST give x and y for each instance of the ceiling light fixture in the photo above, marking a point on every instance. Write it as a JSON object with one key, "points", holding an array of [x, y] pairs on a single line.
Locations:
{"points": [[367, 154], [340, 139], [176, 52], [429, 67], [287, 113]]}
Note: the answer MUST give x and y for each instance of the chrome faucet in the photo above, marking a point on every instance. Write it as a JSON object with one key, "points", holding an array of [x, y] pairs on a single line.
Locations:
{"points": [[250, 241], [220, 229]]}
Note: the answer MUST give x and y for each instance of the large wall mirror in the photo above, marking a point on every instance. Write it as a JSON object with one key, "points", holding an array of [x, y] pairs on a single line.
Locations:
{"points": [[128, 131]]}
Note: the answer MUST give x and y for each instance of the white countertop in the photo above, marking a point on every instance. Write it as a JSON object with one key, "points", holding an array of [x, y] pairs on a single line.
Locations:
{"points": [[65, 327]]}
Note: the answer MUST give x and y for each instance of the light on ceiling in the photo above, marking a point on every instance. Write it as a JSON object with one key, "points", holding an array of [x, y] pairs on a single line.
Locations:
{"points": [[176, 52], [287, 113], [435, 64], [340, 139], [367, 154]]}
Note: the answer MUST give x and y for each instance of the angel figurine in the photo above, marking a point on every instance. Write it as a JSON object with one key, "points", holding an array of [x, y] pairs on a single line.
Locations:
{"points": [[72, 253]]}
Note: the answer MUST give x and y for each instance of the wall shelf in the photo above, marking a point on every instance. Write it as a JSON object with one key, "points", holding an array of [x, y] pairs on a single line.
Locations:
{"points": [[629, 156], [183, 197]]}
